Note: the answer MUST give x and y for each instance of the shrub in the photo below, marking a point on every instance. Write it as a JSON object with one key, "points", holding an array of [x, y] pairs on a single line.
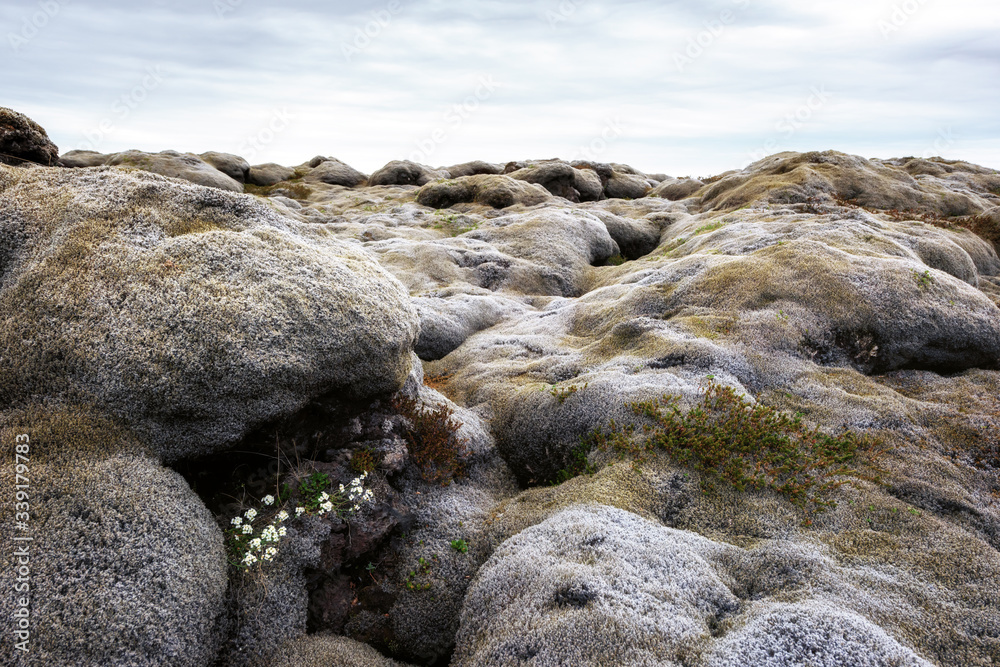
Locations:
{"points": [[432, 441], [578, 463], [727, 438]]}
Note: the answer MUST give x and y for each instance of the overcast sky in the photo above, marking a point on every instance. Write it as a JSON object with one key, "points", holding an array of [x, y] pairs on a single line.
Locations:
{"points": [[677, 87]]}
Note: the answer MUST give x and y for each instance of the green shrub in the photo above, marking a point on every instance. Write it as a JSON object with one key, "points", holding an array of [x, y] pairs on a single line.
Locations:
{"points": [[729, 439], [578, 463]]}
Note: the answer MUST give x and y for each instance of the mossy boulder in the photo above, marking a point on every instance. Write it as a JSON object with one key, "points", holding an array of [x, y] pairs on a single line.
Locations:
{"points": [[405, 172], [595, 585], [555, 176], [190, 314], [327, 650], [24, 142], [496, 191], [263, 175], [828, 176], [334, 172], [127, 566], [185, 166], [231, 165]]}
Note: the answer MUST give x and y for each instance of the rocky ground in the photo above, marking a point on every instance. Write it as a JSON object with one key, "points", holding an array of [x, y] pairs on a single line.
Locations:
{"points": [[590, 416]]}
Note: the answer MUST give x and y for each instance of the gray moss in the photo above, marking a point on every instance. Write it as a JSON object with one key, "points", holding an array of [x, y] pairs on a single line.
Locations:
{"points": [[127, 565], [188, 314]]}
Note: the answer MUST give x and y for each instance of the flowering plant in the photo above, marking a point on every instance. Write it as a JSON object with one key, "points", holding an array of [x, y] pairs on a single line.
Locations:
{"points": [[249, 547]]}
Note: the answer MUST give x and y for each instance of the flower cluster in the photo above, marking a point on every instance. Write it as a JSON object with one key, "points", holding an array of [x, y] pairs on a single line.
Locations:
{"points": [[261, 547], [357, 493], [251, 548]]}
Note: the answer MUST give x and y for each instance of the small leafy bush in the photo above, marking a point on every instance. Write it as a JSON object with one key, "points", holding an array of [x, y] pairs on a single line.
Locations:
{"points": [[924, 280], [423, 569], [578, 464], [729, 439], [562, 394], [460, 546]]}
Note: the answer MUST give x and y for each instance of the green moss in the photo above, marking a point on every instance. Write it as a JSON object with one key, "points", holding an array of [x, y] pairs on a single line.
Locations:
{"points": [[579, 463], [452, 224], [710, 227], [728, 439]]}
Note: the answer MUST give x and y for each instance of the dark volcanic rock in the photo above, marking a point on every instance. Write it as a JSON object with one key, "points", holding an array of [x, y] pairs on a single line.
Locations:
{"points": [[22, 141]]}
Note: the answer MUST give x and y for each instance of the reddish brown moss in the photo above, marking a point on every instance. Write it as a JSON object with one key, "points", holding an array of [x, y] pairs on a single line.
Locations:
{"points": [[364, 460], [432, 440]]}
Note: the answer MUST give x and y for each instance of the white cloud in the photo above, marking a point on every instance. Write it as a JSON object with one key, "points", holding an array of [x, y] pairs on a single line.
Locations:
{"points": [[749, 78]]}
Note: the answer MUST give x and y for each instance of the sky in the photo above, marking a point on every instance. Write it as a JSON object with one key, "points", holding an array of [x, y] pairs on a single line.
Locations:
{"points": [[681, 88]]}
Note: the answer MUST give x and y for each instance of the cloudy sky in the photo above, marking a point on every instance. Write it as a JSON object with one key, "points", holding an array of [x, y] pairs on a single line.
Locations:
{"points": [[668, 86]]}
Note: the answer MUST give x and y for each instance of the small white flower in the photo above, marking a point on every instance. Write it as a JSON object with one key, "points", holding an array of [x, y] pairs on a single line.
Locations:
{"points": [[327, 506], [369, 495], [249, 559], [282, 531], [357, 507], [255, 543], [267, 500], [270, 553], [251, 514], [282, 515], [355, 482], [323, 497], [299, 511], [237, 521], [247, 529], [341, 488]]}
